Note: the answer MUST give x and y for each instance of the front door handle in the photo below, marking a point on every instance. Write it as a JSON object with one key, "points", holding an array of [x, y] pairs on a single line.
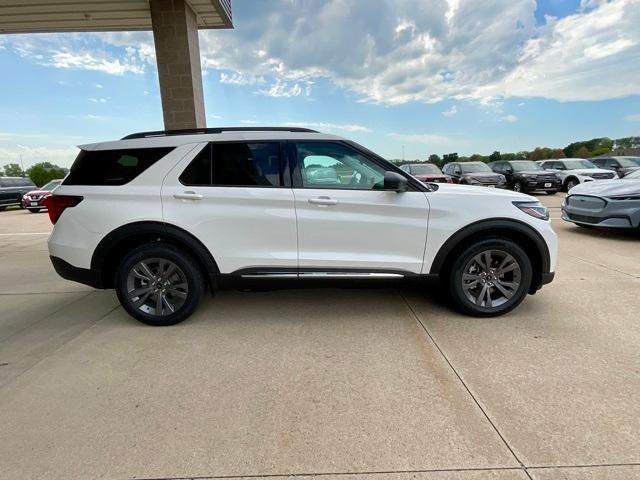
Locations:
{"points": [[325, 201], [188, 196]]}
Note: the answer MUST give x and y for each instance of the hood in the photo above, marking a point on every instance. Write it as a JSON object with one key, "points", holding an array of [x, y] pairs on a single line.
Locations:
{"points": [[38, 192], [431, 176], [587, 171], [536, 172], [608, 188], [471, 190], [482, 174]]}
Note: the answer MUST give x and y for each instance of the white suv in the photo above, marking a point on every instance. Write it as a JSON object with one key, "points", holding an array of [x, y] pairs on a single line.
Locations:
{"points": [[159, 216], [574, 171]]}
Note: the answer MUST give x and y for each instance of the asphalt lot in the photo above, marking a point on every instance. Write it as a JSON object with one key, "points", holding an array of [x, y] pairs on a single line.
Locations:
{"points": [[327, 383]]}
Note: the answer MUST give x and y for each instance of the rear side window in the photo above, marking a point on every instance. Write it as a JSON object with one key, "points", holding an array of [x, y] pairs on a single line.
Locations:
{"points": [[112, 167], [235, 165]]}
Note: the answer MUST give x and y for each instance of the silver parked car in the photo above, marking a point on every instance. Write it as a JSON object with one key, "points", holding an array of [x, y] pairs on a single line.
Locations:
{"points": [[608, 203]]}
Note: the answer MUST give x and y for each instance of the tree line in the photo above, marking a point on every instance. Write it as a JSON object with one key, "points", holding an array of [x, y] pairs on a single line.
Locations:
{"points": [[583, 149], [39, 173]]}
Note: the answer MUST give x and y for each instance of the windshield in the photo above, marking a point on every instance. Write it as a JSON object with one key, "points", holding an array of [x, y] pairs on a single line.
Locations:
{"points": [[474, 167], [633, 175], [629, 161], [51, 185], [424, 169], [525, 165], [575, 164]]}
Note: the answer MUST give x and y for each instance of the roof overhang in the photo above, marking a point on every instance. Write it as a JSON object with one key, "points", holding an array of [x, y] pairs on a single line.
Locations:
{"points": [[38, 16]]}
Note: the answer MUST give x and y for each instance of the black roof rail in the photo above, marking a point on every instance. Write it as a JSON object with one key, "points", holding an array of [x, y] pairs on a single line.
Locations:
{"points": [[204, 131]]}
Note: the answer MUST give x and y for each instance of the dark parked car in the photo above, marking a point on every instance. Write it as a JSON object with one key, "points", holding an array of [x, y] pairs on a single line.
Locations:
{"points": [[474, 173], [12, 189], [426, 172], [527, 176], [32, 200], [621, 165]]}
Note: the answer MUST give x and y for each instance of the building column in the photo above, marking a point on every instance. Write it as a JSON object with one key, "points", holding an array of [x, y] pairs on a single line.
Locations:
{"points": [[175, 33]]}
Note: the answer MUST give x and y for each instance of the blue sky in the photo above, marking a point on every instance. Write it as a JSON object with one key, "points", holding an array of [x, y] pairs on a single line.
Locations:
{"points": [[435, 77]]}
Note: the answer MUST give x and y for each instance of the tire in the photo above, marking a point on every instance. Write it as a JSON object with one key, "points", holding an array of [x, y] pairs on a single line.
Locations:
{"points": [[186, 280], [34, 210], [516, 281], [3, 208], [570, 183], [552, 192], [517, 187]]}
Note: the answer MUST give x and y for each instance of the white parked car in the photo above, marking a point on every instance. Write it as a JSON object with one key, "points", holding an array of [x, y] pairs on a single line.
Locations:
{"points": [[574, 171], [160, 216]]}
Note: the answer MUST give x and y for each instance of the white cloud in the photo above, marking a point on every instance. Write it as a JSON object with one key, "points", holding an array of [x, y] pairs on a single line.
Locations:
{"points": [[214, 117], [633, 117], [349, 127], [249, 122], [451, 112], [30, 155], [428, 138], [400, 51], [99, 100], [98, 85], [509, 118]]}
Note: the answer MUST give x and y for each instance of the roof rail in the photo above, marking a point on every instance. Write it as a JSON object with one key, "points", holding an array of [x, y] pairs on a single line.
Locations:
{"points": [[204, 131]]}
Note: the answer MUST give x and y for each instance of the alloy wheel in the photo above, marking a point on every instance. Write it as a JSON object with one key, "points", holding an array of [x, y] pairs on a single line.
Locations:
{"points": [[491, 278], [157, 286]]}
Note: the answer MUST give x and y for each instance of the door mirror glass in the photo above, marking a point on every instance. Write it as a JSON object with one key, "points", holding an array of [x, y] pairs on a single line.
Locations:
{"points": [[396, 182]]}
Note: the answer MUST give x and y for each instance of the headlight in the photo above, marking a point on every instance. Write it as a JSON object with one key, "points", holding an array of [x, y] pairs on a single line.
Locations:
{"points": [[535, 209]]}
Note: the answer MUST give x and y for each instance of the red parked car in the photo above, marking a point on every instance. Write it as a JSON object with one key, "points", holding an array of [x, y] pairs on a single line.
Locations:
{"points": [[33, 200], [426, 172]]}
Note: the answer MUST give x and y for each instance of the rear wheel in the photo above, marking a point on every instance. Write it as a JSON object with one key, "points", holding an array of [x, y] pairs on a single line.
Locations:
{"points": [[569, 184], [3, 208], [34, 210], [159, 284], [490, 277]]}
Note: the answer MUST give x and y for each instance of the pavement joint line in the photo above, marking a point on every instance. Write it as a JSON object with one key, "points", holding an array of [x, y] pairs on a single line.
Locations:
{"points": [[23, 233], [66, 305], [45, 293], [473, 397], [11, 380], [597, 465], [603, 266], [345, 474]]}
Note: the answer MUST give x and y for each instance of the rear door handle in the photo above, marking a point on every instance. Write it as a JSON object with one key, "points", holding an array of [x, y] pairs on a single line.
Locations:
{"points": [[326, 201], [188, 196]]}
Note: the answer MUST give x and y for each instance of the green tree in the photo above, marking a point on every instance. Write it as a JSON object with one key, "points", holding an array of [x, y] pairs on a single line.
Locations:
{"points": [[557, 153], [626, 142], [582, 152], [435, 159], [44, 172], [494, 157], [13, 170]]}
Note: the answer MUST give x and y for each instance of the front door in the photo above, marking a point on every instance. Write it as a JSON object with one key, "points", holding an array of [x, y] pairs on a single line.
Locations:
{"points": [[346, 220]]}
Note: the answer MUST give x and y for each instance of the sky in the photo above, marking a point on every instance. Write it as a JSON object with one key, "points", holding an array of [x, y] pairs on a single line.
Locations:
{"points": [[423, 77]]}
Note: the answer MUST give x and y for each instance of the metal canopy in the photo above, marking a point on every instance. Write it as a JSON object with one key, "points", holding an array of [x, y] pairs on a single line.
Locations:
{"points": [[32, 16]]}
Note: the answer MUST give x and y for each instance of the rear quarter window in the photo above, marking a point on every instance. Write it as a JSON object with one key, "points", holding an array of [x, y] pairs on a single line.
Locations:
{"points": [[112, 167]]}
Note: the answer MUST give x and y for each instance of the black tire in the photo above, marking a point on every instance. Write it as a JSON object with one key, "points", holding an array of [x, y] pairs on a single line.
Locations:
{"points": [[188, 270], [570, 183], [463, 258], [34, 210], [3, 208], [517, 187], [552, 192]]}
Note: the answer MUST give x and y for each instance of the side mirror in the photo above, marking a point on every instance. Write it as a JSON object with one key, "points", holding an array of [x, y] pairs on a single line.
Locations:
{"points": [[395, 181], [509, 170], [457, 171]]}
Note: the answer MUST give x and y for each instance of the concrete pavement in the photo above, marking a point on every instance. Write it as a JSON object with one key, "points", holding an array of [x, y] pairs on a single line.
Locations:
{"points": [[326, 383]]}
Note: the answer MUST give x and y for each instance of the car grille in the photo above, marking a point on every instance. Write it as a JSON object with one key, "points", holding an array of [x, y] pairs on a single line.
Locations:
{"points": [[488, 180], [35, 197], [547, 178], [584, 218], [438, 180], [602, 176], [586, 202]]}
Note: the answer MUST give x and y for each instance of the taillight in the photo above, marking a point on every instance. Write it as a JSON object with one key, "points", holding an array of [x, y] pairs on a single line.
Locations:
{"points": [[56, 204]]}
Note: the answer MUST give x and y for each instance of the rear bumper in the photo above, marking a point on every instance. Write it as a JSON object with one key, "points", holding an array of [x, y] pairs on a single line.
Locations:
{"points": [[76, 274]]}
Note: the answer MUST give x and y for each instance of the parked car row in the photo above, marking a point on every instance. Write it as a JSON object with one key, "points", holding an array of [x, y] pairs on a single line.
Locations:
{"points": [[22, 192]]}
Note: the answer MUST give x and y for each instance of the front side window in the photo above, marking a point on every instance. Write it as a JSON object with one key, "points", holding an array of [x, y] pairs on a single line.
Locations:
{"points": [[235, 165], [112, 167], [475, 167], [578, 164], [524, 166], [425, 169], [336, 166]]}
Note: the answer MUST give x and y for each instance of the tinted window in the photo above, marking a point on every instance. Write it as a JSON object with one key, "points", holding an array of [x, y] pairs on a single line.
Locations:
{"points": [[112, 167], [235, 165], [336, 166], [475, 167], [525, 165]]}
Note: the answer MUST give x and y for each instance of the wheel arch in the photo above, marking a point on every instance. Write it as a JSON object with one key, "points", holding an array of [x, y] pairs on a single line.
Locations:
{"points": [[519, 232], [567, 179], [107, 255]]}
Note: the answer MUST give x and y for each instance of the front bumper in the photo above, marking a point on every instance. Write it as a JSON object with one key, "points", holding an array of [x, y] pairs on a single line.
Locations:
{"points": [[30, 203], [601, 212], [532, 184]]}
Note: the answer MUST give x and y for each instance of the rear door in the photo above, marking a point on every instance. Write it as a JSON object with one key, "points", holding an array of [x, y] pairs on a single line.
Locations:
{"points": [[236, 199], [346, 220]]}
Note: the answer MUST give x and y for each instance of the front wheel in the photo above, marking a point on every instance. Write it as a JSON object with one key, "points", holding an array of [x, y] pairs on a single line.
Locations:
{"points": [[34, 210], [572, 182], [517, 187], [552, 192], [159, 284], [490, 277], [3, 208]]}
